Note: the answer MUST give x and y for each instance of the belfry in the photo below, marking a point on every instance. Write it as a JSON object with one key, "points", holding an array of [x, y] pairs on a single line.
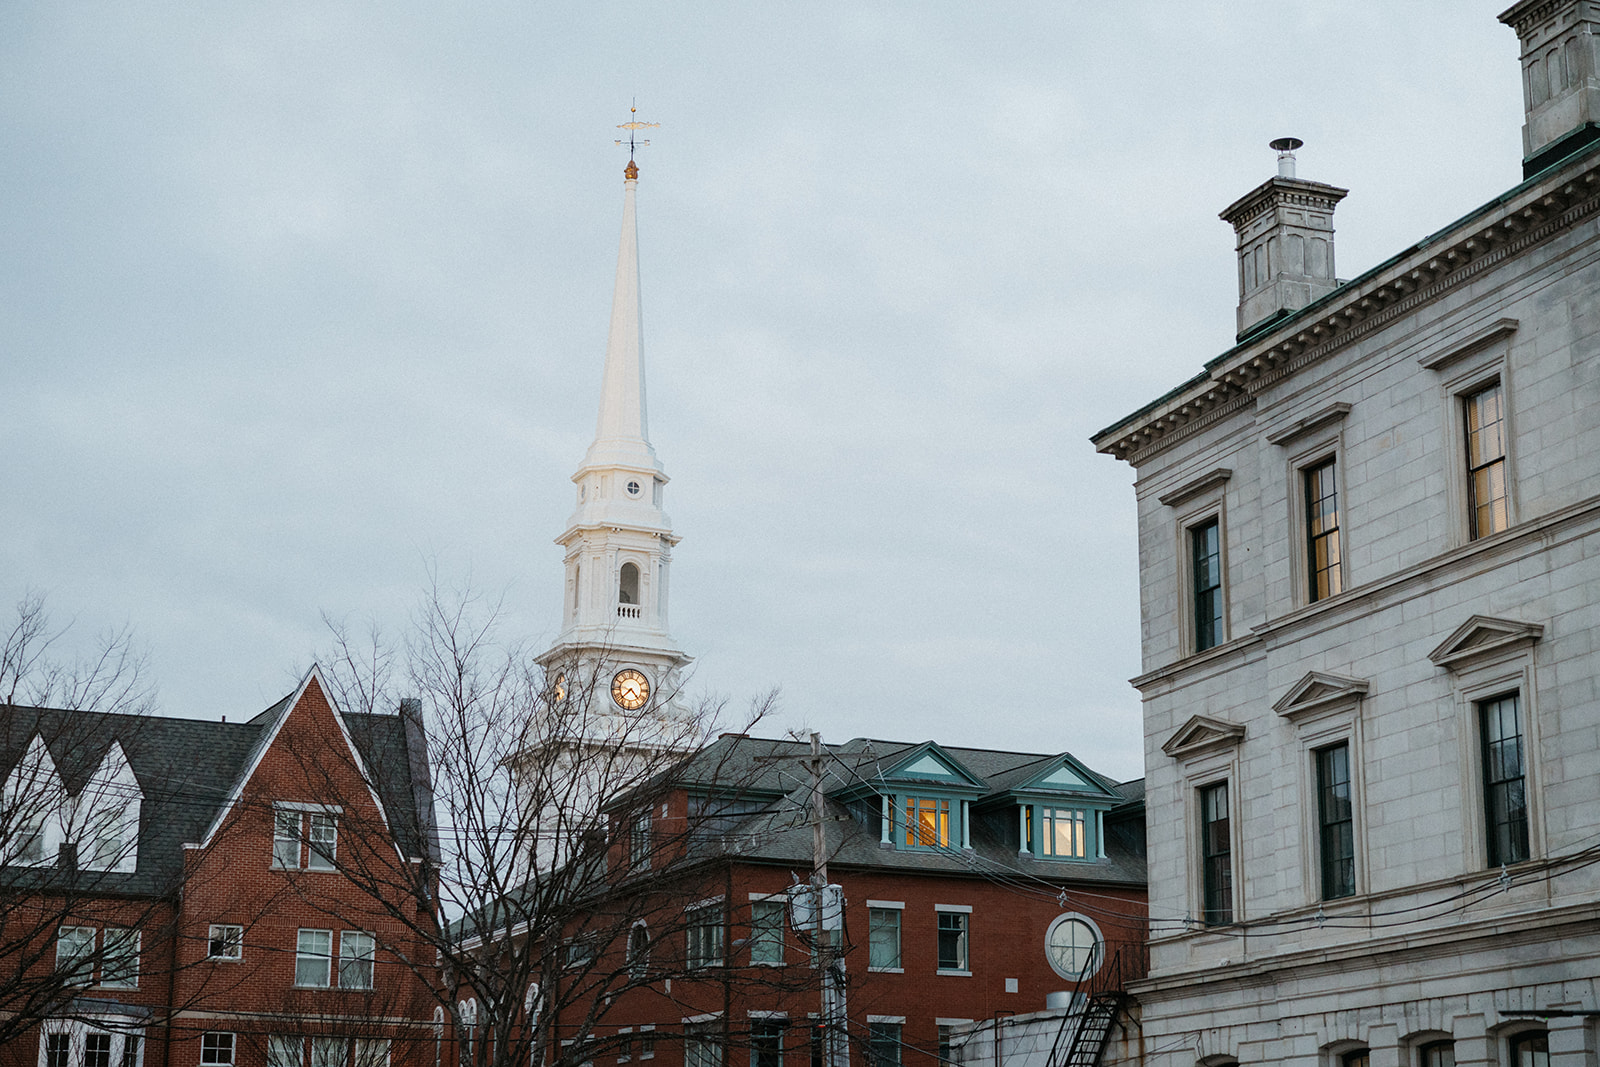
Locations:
{"points": [[614, 641]]}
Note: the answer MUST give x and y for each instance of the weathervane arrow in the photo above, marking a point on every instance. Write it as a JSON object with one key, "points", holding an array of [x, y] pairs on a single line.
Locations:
{"points": [[633, 125]]}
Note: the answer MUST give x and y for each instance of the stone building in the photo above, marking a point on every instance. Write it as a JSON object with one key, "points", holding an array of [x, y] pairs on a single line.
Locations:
{"points": [[1369, 544]]}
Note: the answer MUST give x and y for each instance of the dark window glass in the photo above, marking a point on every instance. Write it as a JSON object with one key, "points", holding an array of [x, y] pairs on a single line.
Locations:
{"points": [[58, 1050], [1530, 1050], [884, 1044], [1205, 543], [97, 1050], [130, 1051], [1487, 510], [948, 1053], [1504, 783], [1216, 848], [1324, 560], [952, 941], [1439, 1054], [766, 1043], [1337, 824], [1358, 1058]]}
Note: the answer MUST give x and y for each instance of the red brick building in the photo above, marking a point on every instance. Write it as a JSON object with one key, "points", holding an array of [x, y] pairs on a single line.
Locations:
{"points": [[976, 883], [238, 900]]}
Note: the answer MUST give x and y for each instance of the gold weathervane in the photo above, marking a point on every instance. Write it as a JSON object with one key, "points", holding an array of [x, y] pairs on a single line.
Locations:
{"points": [[633, 125]]}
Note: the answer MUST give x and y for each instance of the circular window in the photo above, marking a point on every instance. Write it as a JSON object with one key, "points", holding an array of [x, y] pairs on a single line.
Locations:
{"points": [[1072, 945], [633, 488]]}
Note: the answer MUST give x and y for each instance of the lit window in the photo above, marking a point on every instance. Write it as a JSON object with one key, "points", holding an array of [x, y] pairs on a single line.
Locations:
{"points": [[313, 959], [1487, 504], [225, 942], [1216, 855], [120, 967], [766, 931], [1504, 781], [1064, 833], [952, 941], [1324, 560], [883, 926], [356, 954], [1205, 544], [705, 935], [1335, 816], [927, 822], [216, 1050]]}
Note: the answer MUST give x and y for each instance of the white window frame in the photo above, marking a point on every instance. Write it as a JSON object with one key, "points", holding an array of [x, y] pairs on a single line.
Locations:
{"points": [[108, 957], [351, 958], [302, 954], [696, 955], [220, 932], [898, 907], [286, 1050], [214, 1044], [323, 854], [78, 963], [965, 911], [780, 903]]}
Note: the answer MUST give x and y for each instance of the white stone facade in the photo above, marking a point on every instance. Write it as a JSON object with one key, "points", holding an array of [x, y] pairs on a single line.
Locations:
{"points": [[1434, 938]]}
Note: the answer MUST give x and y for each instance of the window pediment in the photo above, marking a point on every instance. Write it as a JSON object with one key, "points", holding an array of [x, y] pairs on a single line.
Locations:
{"points": [[1191, 489], [1202, 734], [1319, 691], [1482, 636]]}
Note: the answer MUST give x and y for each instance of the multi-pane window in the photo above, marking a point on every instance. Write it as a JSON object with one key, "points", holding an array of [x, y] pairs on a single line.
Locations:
{"points": [[952, 941], [1505, 795], [766, 1042], [1356, 1058], [216, 1049], [225, 942], [130, 1050], [1335, 822], [313, 959], [75, 954], [883, 1044], [1205, 555], [318, 831], [579, 952], [285, 1051], [58, 1050], [1064, 833], [1438, 1054], [328, 1051], [1216, 855], [1487, 505], [949, 1052], [1530, 1050], [647, 1042], [766, 931], [702, 1046], [119, 967], [369, 1052], [639, 950], [883, 935], [1324, 559], [97, 1050], [357, 951], [705, 935], [927, 822], [639, 842]]}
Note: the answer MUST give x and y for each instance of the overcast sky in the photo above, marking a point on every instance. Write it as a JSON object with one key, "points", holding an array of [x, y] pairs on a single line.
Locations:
{"points": [[295, 298]]}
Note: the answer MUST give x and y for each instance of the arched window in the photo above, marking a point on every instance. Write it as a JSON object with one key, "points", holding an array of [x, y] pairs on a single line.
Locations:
{"points": [[639, 950], [628, 584], [1356, 1057], [1437, 1054]]}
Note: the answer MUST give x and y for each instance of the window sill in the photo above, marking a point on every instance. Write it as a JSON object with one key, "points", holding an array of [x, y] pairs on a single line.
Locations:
{"points": [[767, 963], [297, 985], [887, 970], [954, 972], [224, 959]]}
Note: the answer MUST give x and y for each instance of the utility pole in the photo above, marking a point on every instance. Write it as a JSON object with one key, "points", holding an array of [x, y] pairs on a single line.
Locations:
{"points": [[836, 1040]]}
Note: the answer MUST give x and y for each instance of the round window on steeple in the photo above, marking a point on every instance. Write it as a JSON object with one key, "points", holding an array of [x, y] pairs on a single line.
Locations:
{"points": [[633, 488]]}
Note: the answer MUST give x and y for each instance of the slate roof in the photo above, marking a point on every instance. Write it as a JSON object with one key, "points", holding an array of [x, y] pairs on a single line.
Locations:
{"points": [[781, 834], [187, 768]]}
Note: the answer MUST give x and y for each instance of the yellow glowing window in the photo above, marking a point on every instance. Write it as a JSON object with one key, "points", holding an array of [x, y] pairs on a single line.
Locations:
{"points": [[1064, 833], [927, 822]]}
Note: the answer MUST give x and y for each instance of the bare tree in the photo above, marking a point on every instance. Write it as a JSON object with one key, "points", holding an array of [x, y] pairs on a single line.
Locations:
{"points": [[77, 908], [556, 882]]}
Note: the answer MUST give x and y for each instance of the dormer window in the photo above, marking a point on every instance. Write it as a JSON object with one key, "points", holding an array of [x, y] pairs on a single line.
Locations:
{"points": [[927, 822], [1064, 835]]}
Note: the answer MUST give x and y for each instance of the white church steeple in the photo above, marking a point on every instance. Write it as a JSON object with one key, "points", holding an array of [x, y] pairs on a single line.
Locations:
{"points": [[618, 541]]}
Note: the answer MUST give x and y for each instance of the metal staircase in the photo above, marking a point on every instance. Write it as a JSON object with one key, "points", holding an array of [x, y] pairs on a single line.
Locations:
{"points": [[1091, 1024]]}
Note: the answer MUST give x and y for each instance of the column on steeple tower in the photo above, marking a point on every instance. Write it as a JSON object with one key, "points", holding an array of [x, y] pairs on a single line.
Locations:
{"points": [[619, 539]]}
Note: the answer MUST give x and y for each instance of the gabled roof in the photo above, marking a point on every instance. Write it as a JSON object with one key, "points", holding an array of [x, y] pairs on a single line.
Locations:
{"points": [[187, 770], [1481, 636], [1056, 775], [921, 765]]}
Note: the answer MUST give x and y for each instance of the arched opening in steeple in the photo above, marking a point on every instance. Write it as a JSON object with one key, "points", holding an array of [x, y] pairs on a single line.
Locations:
{"points": [[628, 584]]}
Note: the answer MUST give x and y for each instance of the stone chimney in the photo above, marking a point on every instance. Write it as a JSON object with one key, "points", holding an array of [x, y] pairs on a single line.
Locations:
{"points": [[1285, 229], [1560, 77]]}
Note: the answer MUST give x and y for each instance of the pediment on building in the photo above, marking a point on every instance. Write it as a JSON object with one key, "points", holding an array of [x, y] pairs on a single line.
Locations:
{"points": [[1318, 691], [1483, 635], [1202, 734]]}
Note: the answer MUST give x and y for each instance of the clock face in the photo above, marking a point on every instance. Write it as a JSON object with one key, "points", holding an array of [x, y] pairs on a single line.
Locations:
{"points": [[630, 689], [1072, 947]]}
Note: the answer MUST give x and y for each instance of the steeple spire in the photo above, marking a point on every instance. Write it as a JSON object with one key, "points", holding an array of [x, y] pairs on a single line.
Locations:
{"points": [[621, 436]]}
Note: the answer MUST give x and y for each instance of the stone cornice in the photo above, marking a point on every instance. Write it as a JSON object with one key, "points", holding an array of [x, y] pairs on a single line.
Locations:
{"points": [[1277, 191], [1526, 216]]}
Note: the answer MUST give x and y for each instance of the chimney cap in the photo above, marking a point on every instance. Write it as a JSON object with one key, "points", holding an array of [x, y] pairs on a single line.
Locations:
{"points": [[1286, 144]]}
